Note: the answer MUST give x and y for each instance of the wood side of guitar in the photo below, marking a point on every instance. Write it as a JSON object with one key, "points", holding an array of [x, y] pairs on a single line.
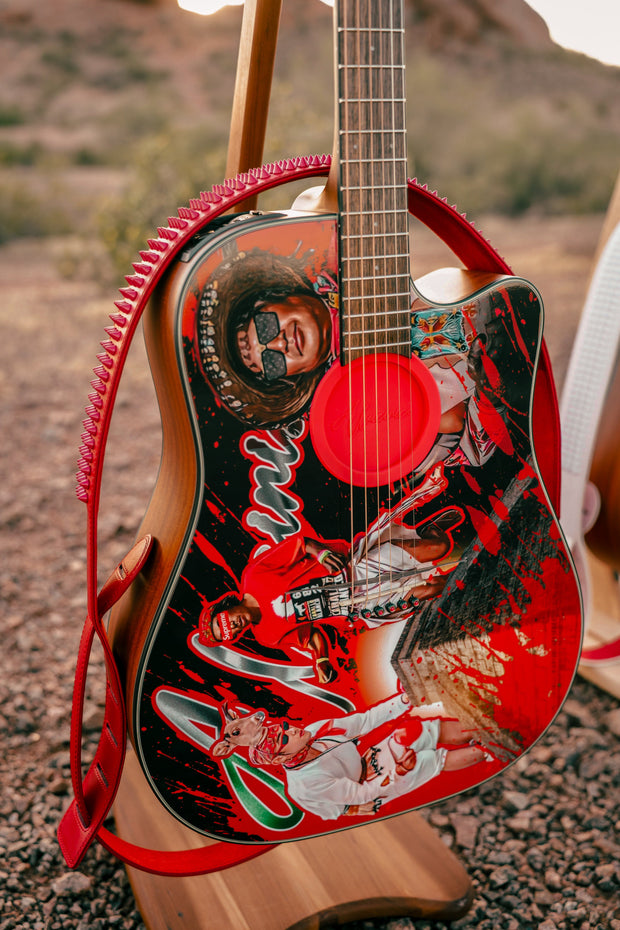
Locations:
{"points": [[170, 507]]}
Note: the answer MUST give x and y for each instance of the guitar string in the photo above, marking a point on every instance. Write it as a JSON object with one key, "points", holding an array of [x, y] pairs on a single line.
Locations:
{"points": [[401, 245], [385, 195], [376, 132], [351, 32], [370, 134], [345, 142], [371, 138], [370, 160]]}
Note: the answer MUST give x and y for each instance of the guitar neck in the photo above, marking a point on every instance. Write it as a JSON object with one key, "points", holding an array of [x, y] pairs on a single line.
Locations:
{"points": [[374, 233]]}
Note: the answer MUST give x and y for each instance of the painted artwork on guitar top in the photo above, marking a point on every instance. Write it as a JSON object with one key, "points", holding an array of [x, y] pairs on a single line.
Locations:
{"points": [[331, 652]]}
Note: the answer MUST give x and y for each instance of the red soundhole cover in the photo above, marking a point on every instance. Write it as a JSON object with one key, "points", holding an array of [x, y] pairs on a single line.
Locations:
{"points": [[358, 625]]}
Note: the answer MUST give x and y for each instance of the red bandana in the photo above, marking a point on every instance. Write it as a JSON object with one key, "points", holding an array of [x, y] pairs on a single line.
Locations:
{"points": [[205, 625], [227, 634], [273, 744]]}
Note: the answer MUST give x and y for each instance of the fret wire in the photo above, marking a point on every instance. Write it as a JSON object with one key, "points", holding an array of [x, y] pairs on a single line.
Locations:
{"points": [[400, 281], [390, 100], [395, 252], [377, 212], [375, 258], [369, 330], [384, 188], [404, 344], [383, 311], [361, 160], [387, 293], [357, 262], [380, 256], [396, 68], [398, 160], [352, 338], [387, 30], [383, 329], [381, 161], [385, 249], [380, 211], [382, 301], [383, 297], [371, 132]]}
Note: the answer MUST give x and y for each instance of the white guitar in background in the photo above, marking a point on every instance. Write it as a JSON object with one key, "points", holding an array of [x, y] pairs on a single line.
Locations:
{"points": [[584, 403]]}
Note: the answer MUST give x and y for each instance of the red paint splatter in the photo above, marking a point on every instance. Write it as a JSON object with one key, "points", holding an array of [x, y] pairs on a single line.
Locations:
{"points": [[499, 508], [493, 423], [191, 674], [217, 512], [471, 481], [492, 373], [209, 550], [487, 531]]}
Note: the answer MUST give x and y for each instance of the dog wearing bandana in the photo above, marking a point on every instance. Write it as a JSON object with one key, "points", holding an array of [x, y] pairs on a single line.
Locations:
{"points": [[352, 765]]}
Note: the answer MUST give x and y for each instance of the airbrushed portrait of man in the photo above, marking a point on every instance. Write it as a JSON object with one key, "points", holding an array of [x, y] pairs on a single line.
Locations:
{"points": [[266, 336], [302, 593], [269, 333]]}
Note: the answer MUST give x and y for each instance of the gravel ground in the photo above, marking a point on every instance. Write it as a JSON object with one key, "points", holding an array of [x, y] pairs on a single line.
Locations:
{"points": [[540, 842]]}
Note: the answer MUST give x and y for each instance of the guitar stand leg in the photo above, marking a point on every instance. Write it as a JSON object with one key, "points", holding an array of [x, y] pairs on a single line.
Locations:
{"points": [[393, 868]]}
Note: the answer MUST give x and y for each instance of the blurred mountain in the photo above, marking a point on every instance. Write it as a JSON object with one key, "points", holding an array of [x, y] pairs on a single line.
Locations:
{"points": [[450, 24], [107, 91]]}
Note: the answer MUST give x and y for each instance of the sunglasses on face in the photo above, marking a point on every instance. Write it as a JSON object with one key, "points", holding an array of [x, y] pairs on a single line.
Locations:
{"points": [[285, 726], [267, 328]]}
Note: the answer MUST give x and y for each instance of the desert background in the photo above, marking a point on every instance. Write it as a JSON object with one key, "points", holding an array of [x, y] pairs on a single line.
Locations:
{"points": [[113, 114]]}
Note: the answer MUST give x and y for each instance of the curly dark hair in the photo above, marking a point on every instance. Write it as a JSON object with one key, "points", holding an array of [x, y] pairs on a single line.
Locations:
{"points": [[230, 297]]}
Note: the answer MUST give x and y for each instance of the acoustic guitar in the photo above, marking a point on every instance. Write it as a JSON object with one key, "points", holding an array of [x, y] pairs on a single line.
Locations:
{"points": [[353, 597]]}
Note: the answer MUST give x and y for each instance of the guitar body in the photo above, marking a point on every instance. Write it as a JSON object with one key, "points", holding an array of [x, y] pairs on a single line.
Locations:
{"points": [[398, 618]]}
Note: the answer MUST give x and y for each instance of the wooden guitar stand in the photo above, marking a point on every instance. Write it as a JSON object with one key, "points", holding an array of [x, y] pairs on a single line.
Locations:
{"points": [[393, 868], [398, 867]]}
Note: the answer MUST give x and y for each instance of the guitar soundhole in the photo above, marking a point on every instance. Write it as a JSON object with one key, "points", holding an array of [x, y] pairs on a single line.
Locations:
{"points": [[374, 420]]}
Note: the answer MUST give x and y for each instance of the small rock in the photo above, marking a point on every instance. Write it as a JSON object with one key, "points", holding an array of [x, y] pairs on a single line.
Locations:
{"points": [[72, 883], [579, 712], [515, 801], [612, 721], [501, 877], [466, 829], [520, 823], [553, 880]]}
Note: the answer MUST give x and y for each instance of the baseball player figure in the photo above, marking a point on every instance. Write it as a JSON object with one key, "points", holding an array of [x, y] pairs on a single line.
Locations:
{"points": [[301, 591], [353, 765]]}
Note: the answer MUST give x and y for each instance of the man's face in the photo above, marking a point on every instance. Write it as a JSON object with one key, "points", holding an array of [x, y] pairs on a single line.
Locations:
{"points": [[286, 338], [294, 739], [238, 619]]}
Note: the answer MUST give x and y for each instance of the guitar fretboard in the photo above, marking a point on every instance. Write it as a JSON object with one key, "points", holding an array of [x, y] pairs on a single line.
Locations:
{"points": [[374, 236]]}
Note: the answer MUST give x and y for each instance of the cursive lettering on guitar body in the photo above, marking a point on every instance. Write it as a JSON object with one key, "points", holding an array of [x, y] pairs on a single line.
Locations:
{"points": [[363, 414], [275, 509], [260, 793]]}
